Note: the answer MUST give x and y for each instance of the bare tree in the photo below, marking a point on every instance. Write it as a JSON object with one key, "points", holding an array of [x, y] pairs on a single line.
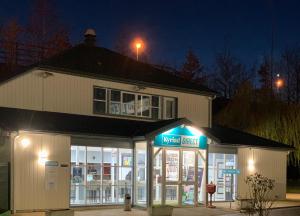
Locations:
{"points": [[45, 30], [10, 37], [229, 73]]}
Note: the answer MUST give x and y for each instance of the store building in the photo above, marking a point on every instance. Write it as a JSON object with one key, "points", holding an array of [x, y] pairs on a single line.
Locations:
{"points": [[90, 125]]}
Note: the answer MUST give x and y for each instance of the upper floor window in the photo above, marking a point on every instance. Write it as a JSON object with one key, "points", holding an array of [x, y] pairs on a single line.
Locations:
{"points": [[170, 108], [99, 100], [117, 102]]}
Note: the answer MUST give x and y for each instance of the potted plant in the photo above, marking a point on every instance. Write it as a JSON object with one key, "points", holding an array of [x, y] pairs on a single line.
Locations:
{"points": [[160, 210]]}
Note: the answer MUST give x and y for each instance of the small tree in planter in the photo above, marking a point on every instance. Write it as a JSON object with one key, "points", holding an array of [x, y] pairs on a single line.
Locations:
{"points": [[259, 194]]}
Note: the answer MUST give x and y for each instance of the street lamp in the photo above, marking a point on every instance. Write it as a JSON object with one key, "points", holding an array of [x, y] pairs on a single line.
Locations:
{"points": [[279, 82], [138, 45]]}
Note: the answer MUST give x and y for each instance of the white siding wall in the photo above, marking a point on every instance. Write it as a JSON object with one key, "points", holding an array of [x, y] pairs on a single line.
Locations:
{"points": [[30, 190], [269, 163], [74, 94]]}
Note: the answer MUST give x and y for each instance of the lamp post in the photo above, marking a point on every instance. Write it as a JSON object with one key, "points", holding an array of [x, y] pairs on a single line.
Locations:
{"points": [[138, 46], [278, 83]]}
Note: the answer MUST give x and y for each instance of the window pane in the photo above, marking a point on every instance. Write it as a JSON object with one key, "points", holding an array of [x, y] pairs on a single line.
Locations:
{"points": [[124, 189], [169, 109], [172, 194], [128, 104], [146, 106], [188, 166], [99, 93], [115, 96], [125, 157], [109, 194], [155, 101], [99, 107], [93, 194], [172, 165], [188, 194], [155, 113], [125, 174], [115, 108]]}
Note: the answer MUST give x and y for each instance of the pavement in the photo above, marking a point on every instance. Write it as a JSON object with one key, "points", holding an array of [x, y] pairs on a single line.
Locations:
{"points": [[200, 211]]}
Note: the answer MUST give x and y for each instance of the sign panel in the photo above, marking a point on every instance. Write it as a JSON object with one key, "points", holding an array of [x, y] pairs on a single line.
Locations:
{"points": [[180, 137], [231, 171]]}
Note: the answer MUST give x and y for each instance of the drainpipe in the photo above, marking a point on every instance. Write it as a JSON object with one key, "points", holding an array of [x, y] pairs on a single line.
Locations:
{"points": [[210, 99], [14, 136]]}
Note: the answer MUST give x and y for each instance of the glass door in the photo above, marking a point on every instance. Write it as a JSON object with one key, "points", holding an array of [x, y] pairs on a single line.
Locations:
{"points": [[172, 182], [178, 176]]}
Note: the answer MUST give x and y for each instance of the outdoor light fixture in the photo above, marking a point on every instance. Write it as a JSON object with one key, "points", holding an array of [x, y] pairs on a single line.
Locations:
{"points": [[25, 142], [137, 45], [195, 131], [251, 165], [43, 157]]}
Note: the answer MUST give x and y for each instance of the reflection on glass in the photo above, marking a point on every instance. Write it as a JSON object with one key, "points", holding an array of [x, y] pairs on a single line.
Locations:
{"points": [[188, 194], [172, 165], [128, 104], [141, 173], [188, 166]]}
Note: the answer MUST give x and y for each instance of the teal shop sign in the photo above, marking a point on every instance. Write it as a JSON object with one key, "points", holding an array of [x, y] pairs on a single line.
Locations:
{"points": [[231, 171], [181, 136]]}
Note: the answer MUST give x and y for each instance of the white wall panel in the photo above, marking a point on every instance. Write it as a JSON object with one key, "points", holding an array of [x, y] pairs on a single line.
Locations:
{"points": [[74, 94], [30, 184], [269, 163]]}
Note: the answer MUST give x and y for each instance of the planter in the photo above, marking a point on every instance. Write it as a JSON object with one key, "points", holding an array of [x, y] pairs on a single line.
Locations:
{"points": [[160, 210]]}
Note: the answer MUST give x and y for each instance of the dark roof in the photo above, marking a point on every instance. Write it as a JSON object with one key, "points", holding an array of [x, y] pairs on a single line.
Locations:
{"points": [[20, 119], [98, 62], [229, 136]]}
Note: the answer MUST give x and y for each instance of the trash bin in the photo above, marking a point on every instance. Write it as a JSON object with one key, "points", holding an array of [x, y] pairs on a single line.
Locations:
{"points": [[127, 202]]}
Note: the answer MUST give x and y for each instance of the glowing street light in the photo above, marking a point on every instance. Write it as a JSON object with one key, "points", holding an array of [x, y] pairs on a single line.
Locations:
{"points": [[138, 45], [278, 82]]}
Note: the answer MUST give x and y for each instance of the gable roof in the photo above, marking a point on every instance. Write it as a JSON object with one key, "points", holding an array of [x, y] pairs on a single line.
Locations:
{"points": [[101, 63], [229, 136]]}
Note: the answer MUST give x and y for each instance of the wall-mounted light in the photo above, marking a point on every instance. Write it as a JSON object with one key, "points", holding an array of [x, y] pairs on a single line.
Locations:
{"points": [[251, 165], [195, 131], [25, 142], [43, 157]]}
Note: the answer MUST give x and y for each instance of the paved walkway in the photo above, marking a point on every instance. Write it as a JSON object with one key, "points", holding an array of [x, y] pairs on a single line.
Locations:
{"points": [[200, 211]]}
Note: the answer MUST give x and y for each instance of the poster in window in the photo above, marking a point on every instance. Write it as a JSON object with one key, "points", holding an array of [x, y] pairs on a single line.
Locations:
{"points": [[77, 175]]}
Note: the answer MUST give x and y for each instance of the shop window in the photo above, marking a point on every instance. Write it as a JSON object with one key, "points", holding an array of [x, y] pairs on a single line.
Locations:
{"points": [[225, 183], [99, 100], [100, 175], [141, 173]]}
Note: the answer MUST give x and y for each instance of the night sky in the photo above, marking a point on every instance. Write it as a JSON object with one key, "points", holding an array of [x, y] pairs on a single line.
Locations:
{"points": [[172, 27]]}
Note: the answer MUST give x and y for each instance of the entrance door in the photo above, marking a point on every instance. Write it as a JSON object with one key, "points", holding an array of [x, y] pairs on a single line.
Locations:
{"points": [[176, 176]]}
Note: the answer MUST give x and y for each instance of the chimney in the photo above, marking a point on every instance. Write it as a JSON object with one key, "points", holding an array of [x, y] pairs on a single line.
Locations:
{"points": [[90, 37]]}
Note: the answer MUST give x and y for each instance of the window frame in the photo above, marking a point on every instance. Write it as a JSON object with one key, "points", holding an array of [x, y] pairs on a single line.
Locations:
{"points": [[161, 104], [99, 100]]}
